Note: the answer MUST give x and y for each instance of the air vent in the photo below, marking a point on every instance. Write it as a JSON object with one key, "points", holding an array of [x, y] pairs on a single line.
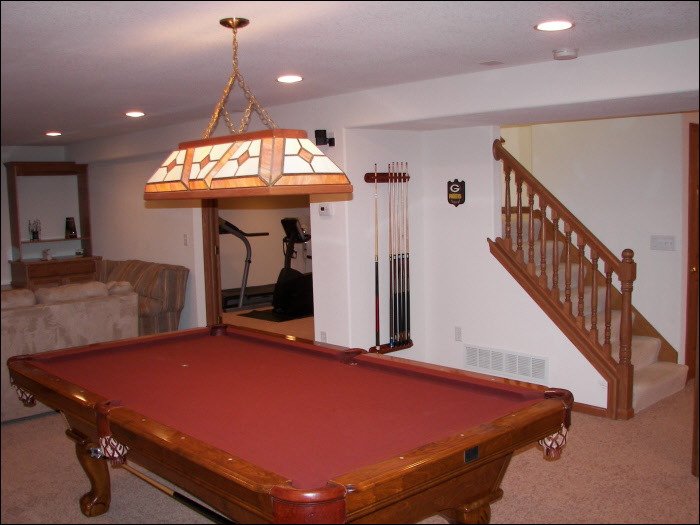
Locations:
{"points": [[529, 368]]}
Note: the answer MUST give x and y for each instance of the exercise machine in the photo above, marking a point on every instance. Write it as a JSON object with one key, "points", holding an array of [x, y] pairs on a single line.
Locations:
{"points": [[293, 294], [245, 296]]}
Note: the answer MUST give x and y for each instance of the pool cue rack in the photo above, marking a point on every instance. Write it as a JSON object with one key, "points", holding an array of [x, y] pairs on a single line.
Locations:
{"points": [[399, 293], [387, 348], [383, 178]]}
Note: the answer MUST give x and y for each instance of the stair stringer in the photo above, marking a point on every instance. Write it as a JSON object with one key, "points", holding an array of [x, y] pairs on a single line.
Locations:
{"points": [[593, 352]]}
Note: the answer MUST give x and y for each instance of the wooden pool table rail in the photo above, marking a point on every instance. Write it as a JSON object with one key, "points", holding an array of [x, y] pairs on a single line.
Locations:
{"points": [[459, 475]]}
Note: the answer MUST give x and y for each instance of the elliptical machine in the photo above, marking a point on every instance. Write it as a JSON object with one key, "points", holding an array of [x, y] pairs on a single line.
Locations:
{"points": [[293, 295]]}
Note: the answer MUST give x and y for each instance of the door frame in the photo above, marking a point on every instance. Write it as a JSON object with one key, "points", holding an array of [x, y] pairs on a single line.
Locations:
{"points": [[212, 261], [691, 318]]}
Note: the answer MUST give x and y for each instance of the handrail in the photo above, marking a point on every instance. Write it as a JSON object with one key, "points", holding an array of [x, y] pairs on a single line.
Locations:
{"points": [[618, 374], [500, 153]]}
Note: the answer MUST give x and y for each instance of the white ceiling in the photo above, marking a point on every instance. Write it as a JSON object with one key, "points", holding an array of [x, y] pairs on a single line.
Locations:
{"points": [[78, 66]]}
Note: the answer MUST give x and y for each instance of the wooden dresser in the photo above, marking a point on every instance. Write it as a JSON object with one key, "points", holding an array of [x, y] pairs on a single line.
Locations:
{"points": [[43, 274], [73, 260]]}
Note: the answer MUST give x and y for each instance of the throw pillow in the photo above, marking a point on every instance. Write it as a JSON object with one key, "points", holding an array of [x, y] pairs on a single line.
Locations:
{"points": [[17, 298], [119, 287], [71, 292]]}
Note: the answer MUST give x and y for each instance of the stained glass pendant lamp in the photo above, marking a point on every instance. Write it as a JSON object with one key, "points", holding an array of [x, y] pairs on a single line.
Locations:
{"points": [[269, 162]]}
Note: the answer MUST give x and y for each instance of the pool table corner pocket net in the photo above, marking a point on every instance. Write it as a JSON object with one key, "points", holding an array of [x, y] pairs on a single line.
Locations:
{"points": [[266, 429]]}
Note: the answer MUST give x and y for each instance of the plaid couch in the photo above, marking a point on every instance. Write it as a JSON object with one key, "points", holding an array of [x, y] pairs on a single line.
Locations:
{"points": [[161, 289]]}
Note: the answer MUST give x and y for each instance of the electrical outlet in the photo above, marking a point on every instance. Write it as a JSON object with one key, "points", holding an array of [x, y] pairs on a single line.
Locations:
{"points": [[324, 337], [185, 239], [458, 333], [663, 242]]}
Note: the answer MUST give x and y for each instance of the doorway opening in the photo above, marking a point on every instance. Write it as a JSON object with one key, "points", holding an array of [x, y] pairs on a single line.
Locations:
{"points": [[255, 266]]}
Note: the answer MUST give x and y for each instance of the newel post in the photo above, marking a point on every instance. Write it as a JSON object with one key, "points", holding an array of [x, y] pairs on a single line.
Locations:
{"points": [[627, 275]]}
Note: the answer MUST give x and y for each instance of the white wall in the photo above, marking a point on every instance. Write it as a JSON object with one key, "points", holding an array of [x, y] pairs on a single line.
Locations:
{"points": [[465, 285], [490, 308], [125, 226], [455, 281], [638, 177]]}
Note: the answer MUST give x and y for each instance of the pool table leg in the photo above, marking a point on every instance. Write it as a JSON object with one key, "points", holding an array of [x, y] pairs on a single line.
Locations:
{"points": [[478, 511], [97, 500]]}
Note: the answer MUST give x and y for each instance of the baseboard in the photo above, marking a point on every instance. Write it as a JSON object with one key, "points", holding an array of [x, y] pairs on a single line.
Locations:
{"points": [[590, 410]]}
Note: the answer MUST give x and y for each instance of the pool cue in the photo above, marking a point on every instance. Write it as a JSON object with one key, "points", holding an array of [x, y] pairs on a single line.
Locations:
{"points": [[397, 230], [400, 261], [408, 272], [404, 277], [399, 270], [376, 262], [197, 507], [394, 298], [391, 268], [396, 255]]}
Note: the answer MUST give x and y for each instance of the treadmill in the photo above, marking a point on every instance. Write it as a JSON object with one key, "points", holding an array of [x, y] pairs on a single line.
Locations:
{"points": [[246, 296]]}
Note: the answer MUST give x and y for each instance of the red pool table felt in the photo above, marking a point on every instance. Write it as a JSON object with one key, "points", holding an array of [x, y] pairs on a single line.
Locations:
{"points": [[302, 414]]}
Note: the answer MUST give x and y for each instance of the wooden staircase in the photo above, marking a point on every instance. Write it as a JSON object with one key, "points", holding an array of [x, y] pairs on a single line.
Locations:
{"points": [[569, 273]]}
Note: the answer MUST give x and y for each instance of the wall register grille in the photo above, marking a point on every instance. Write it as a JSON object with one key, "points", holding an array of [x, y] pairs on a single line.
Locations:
{"points": [[534, 369]]}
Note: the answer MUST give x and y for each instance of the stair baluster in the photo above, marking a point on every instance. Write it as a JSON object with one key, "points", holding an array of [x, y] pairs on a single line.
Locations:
{"points": [[519, 221], [508, 234], [555, 256], [543, 245], [581, 318], [531, 231], [594, 297], [567, 279], [608, 308]]}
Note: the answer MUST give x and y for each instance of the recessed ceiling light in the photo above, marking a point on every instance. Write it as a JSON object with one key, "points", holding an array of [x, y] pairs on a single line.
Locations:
{"points": [[555, 25], [289, 79], [53, 133], [135, 114]]}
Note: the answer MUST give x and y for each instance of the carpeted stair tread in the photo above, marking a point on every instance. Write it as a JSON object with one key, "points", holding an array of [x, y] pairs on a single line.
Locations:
{"points": [[561, 276], [587, 298], [656, 382], [615, 317], [645, 351], [514, 226], [537, 255]]}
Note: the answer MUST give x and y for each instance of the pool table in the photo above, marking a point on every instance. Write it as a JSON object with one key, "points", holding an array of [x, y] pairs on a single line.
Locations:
{"points": [[266, 428]]}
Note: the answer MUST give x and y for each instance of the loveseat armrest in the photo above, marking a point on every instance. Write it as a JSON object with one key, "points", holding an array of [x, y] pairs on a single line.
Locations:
{"points": [[172, 286], [105, 268], [161, 288]]}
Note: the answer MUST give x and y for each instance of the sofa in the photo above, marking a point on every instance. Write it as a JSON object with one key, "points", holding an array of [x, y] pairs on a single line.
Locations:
{"points": [[61, 317], [161, 289]]}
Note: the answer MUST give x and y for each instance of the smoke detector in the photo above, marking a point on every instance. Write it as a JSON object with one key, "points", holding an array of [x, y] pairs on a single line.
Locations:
{"points": [[565, 54]]}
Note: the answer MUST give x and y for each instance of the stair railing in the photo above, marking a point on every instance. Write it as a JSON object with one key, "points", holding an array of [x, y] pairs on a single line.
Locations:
{"points": [[558, 225]]}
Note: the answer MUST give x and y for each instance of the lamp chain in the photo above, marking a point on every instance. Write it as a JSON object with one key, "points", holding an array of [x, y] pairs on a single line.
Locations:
{"points": [[252, 101]]}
